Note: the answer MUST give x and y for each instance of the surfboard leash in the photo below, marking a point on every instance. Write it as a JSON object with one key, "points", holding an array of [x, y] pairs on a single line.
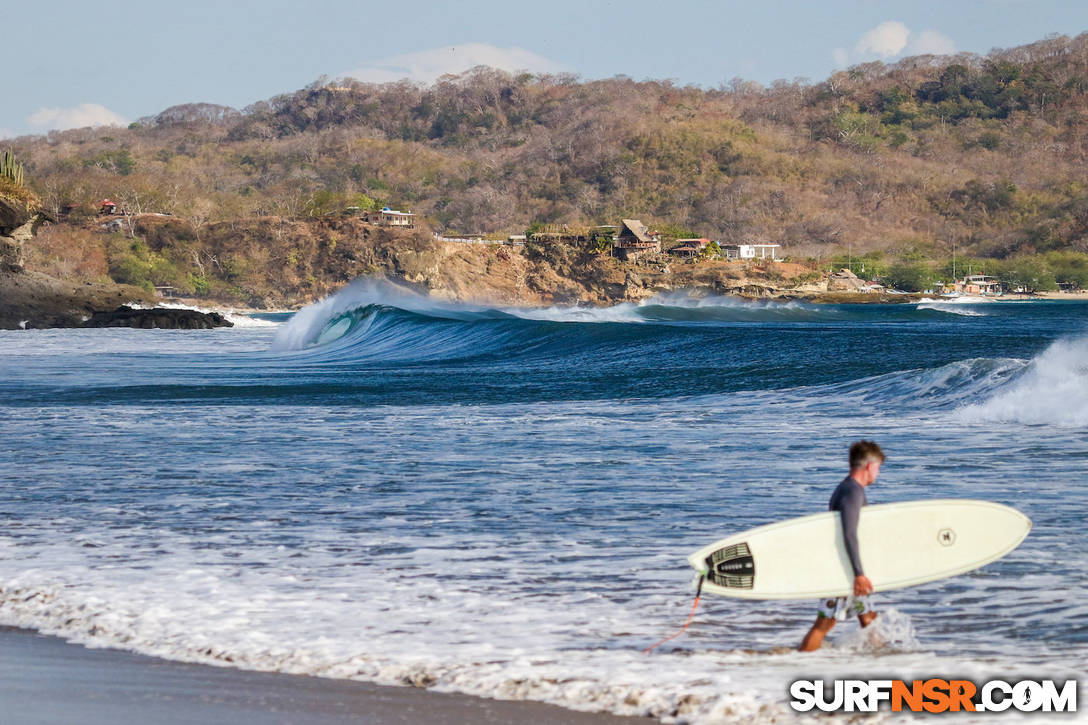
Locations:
{"points": [[694, 606]]}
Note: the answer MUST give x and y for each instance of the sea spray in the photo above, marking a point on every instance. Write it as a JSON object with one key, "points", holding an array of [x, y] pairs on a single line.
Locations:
{"points": [[1052, 389], [952, 309], [891, 632]]}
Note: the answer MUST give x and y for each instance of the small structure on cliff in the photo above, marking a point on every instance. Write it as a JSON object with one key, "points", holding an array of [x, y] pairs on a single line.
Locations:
{"points": [[392, 218], [635, 239], [689, 247]]}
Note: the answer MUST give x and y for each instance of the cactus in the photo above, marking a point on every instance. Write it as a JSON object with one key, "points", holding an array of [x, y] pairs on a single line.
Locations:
{"points": [[10, 168]]}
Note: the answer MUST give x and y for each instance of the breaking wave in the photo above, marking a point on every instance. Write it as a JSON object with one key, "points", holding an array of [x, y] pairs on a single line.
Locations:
{"points": [[377, 317], [365, 311], [951, 308], [1050, 389]]}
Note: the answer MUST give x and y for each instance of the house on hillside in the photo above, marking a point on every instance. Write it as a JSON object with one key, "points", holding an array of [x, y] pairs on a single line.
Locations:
{"points": [[751, 251], [635, 239], [392, 218], [107, 207], [689, 247]]}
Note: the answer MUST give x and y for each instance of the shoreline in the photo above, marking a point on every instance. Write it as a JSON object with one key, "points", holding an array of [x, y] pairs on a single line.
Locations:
{"points": [[818, 298], [247, 315], [45, 679]]}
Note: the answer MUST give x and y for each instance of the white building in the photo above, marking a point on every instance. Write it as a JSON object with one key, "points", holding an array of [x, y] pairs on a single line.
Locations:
{"points": [[751, 251], [392, 218]]}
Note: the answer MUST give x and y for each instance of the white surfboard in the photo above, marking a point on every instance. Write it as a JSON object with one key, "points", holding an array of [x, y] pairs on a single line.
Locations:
{"points": [[902, 544]]}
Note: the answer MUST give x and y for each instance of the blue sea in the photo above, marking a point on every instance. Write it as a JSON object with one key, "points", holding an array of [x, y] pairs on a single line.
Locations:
{"points": [[501, 501]]}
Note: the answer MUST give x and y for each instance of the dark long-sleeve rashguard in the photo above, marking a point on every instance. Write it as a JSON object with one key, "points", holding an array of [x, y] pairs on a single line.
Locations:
{"points": [[848, 498]]}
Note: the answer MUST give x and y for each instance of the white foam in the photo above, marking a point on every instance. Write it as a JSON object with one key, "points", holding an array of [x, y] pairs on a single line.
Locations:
{"points": [[892, 631], [958, 300], [439, 615], [636, 311], [203, 613], [623, 312], [1052, 389], [951, 307], [238, 319]]}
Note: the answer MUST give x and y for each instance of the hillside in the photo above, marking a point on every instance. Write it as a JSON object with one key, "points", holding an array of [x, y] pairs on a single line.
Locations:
{"points": [[873, 167]]}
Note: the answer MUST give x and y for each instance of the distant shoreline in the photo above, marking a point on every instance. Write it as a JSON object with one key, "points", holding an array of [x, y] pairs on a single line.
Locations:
{"points": [[821, 298]]}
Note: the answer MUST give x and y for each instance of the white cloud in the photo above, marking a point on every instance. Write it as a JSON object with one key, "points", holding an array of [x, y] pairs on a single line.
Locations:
{"points": [[886, 40], [891, 39], [6, 133], [427, 65], [930, 42], [85, 114]]}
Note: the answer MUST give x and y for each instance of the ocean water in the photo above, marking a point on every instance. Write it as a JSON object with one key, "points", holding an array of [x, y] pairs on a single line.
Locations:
{"points": [[501, 501]]}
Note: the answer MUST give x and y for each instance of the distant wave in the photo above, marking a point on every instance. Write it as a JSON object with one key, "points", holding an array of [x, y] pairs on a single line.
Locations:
{"points": [[361, 312], [356, 309], [952, 308], [963, 300]]}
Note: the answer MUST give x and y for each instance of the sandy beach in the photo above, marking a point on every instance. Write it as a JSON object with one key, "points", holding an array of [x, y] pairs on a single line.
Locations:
{"points": [[45, 681]]}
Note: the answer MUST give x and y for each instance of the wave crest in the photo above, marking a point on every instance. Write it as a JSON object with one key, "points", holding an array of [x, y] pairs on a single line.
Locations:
{"points": [[1050, 389], [352, 311]]}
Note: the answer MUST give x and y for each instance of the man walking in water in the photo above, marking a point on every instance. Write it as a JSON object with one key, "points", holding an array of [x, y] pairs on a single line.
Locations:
{"points": [[847, 499]]}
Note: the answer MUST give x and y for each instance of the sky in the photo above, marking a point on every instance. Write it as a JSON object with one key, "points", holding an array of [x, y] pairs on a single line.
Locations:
{"points": [[75, 63]]}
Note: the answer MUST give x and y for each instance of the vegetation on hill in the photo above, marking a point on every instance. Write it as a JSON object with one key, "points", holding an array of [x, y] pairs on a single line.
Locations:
{"points": [[13, 183], [898, 167]]}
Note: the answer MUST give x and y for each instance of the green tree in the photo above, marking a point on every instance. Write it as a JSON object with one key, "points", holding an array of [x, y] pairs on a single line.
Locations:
{"points": [[1028, 274], [870, 265], [909, 277], [1070, 269]]}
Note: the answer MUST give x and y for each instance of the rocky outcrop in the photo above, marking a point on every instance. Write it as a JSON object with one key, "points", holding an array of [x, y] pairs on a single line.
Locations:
{"points": [[13, 214], [18, 225], [31, 299], [159, 318], [15, 226], [35, 300]]}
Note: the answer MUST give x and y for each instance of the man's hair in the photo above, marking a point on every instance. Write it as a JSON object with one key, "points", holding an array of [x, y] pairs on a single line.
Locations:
{"points": [[862, 452]]}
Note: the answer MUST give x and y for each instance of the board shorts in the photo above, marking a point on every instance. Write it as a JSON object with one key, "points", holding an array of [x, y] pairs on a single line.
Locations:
{"points": [[844, 607]]}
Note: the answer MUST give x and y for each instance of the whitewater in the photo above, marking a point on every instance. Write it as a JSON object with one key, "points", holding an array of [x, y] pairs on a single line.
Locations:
{"points": [[500, 501]]}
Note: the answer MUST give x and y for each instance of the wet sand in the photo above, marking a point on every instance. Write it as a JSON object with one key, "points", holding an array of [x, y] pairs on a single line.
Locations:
{"points": [[45, 680]]}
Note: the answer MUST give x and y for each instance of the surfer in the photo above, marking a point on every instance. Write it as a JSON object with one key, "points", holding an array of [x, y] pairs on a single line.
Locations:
{"points": [[847, 499]]}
